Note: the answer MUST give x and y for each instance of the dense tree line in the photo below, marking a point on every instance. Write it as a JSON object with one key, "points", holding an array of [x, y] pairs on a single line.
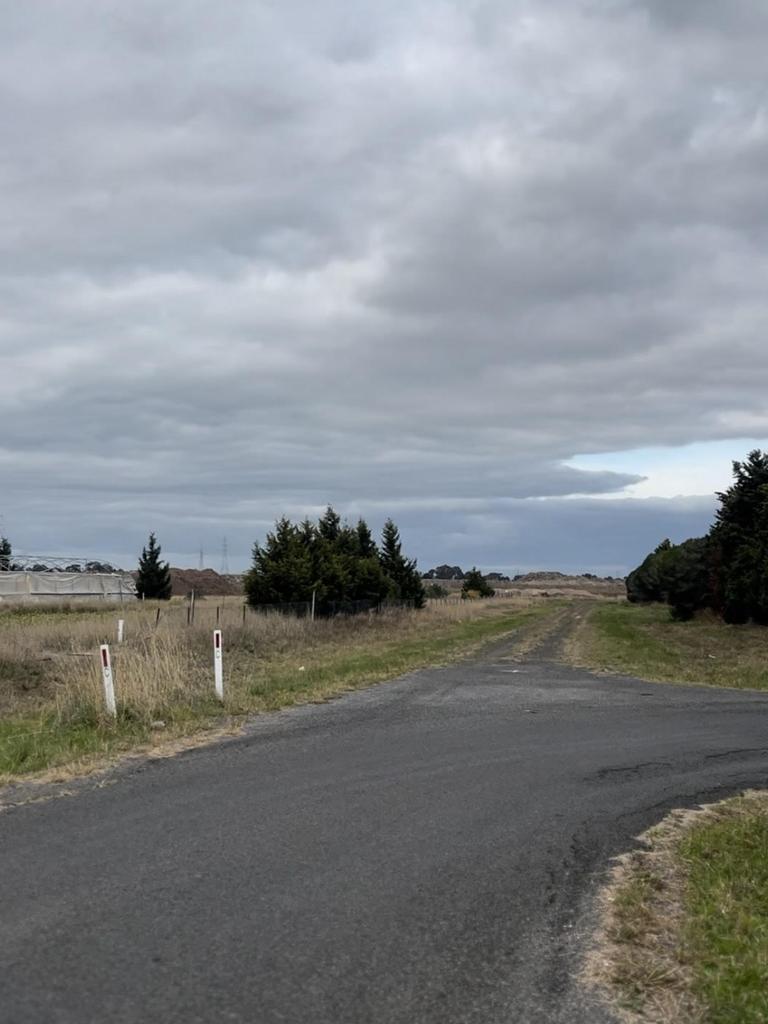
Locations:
{"points": [[455, 572], [445, 572], [340, 564], [727, 570]]}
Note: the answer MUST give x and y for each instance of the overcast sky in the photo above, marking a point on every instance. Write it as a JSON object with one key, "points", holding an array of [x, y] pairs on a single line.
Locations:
{"points": [[488, 267]]}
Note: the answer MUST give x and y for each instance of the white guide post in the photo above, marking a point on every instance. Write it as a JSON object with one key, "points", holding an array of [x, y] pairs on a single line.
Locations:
{"points": [[120, 630], [218, 669], [109, 686]]}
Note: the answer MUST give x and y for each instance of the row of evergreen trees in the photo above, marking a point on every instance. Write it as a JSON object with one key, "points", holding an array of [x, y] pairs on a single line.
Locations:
{"points": [[727, 570], [340, 564]]}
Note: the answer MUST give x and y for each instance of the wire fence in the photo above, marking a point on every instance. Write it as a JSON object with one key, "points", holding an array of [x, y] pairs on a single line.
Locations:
{"points": [[177, 616], [329, 609], [145, 619], [195, 610]]}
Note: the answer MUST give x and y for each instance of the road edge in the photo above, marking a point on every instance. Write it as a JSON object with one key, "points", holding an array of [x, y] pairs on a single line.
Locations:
{"points": [[637, 963], [71, 778]]}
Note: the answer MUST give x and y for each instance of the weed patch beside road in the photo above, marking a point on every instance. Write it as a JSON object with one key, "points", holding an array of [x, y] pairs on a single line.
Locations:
{"points": [[685, 921], [642, 640], [51, 703]]}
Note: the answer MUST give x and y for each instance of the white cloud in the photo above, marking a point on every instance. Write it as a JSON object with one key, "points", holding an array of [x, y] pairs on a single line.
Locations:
{"points": [[254, 258]]}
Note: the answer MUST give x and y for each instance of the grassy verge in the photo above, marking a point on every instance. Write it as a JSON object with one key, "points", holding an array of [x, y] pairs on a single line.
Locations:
{"points": [[642, 640], [33, 744], [51, 710], [727, 912], [685, 921], [365, 659]]}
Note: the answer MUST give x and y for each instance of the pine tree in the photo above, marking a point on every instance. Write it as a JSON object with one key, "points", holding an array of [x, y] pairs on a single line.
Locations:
{"points": [[153, 580], [5, 554], [368, 581], [307, 533], [475, 585], [685, 577], [728, 569], [366, 545], [347, 542], [329, 526], [391, 548], [644, 583], [739, 541], [283, 569], [338, 563], [402, 572]]}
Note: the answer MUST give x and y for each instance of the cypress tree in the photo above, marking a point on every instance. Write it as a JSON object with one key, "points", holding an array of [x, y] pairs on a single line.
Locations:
{"points": [[728, 569], [347, 542], [153, 580], [685, 576], [329, 526], [337, 562], [283, 569], [644, 583], [366, 545], [406, 581], [391, 548], [739, 539], [307, 533], [475, 583]]}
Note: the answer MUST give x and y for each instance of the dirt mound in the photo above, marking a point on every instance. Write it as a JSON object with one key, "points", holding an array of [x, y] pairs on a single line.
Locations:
{"points": [[561, 578], [204, 582], [560, 583]]}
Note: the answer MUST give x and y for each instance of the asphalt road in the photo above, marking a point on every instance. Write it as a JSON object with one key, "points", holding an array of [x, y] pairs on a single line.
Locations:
{"points": [[423, 851]]}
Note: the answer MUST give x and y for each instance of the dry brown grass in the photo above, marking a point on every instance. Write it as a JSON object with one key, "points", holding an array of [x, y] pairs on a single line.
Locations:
{"points": [[639, 960], [644, 641], [51, 699], [152, 673]]}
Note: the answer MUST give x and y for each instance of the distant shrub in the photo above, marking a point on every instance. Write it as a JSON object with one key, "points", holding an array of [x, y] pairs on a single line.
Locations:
{"points": [[475, 585]]}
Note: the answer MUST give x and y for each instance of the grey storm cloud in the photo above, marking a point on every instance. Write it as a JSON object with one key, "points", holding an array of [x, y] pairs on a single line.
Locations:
{"points": [[407, 258]]}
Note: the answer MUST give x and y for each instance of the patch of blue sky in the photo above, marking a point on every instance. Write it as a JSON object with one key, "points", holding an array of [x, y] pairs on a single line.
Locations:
{"points": [[695, 469]]}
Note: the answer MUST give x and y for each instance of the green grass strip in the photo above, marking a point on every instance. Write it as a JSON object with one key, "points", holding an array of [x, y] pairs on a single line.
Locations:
{"points": [[643, 640], [281, 683], [35, 742], [727, 907]]}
